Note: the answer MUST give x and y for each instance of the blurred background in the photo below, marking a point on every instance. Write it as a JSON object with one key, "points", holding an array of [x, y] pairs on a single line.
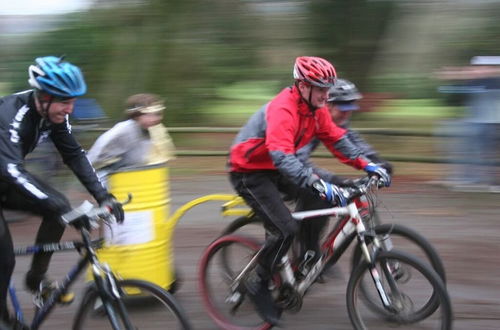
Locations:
{"points": [[216, 62], [428, 107]]}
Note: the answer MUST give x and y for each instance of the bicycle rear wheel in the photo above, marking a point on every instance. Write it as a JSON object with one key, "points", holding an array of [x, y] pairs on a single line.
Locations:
{"points": [[402, 237], [241, 224], [147, 305], [221, 262], [408, 283]]}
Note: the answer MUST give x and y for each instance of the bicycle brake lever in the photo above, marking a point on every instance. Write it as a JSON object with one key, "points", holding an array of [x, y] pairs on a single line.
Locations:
{"points": [[374, 180], [128, 200]]}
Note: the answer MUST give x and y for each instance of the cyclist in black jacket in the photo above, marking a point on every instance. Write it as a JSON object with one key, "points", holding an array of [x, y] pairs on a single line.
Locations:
{"points": [[341, 102], [26, 119]]}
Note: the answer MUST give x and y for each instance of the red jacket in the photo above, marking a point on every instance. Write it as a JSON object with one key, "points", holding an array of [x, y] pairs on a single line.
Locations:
{"points": [[273, 135]]}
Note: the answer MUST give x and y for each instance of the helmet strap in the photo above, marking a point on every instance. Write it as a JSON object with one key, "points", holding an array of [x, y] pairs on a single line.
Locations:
{"points": [[45, 105], [307, 100]]}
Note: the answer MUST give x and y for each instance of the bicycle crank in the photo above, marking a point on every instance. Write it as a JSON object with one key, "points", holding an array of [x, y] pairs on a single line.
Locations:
{"points": [[289, 299]]}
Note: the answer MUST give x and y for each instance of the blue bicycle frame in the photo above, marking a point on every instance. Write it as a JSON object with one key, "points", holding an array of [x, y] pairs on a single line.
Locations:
{"points": [[42, 312]]}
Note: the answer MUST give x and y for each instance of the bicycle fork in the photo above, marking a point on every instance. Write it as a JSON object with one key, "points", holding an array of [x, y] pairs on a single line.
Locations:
{"points": [[387, 301], [111, 296]]}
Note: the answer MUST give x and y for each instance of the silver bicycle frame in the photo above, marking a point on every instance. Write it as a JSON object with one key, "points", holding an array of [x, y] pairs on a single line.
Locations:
{"points": [[355, 223]]}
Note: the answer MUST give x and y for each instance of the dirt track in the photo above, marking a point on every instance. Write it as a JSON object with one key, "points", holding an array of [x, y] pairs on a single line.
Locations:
{"points": [[464, 227]]}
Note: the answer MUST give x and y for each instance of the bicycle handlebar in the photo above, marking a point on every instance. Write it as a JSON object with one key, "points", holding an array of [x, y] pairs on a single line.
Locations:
{"points": [[87, 211], [361, 187]]}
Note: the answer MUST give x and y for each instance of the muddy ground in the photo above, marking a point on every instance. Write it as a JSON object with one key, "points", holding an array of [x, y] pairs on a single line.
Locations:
{"points": [[464, 228]]}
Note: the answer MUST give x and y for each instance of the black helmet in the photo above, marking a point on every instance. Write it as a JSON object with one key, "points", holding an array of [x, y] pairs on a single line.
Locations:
{"points": [[343, 91]]}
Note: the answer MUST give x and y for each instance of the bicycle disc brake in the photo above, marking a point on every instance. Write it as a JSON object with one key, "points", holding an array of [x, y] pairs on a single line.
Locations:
{"points": [[401, 308]]}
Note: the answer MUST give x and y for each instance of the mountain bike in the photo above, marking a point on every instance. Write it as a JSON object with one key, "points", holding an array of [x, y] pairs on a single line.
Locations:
{"points": [[390, 234], [386, 288], [108, 302]]}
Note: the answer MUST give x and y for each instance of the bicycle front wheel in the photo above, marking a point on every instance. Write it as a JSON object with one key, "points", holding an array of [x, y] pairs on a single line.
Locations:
{"points": [[147, 306], [411, 242], [403, 285]]}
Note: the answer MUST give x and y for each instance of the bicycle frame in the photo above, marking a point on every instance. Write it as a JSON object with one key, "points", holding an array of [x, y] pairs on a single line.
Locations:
{"points": [[42, 312], [350, 225], [101, 273], [334, 245], [336, 242]]}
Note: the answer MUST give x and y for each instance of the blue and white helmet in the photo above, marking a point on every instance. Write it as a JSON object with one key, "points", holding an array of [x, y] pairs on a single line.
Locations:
{"points": [[57, 77]]}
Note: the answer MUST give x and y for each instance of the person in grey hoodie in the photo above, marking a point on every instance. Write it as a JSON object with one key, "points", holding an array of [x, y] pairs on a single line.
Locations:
{"points": [[133, 142]]}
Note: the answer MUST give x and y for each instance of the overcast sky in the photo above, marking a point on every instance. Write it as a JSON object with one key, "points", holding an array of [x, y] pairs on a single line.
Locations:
{"points": [[39, 7]]}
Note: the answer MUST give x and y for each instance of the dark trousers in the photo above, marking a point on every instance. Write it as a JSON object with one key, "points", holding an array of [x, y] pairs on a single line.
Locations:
{"points": [[263, 191], [310, 229], [49, 231]]}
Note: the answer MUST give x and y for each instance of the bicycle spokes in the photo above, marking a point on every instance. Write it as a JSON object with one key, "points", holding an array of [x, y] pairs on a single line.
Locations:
{"points": [[225, 296]]}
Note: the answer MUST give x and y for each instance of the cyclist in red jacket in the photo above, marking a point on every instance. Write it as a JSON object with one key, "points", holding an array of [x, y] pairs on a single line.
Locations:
{"points": [[263, 164]]}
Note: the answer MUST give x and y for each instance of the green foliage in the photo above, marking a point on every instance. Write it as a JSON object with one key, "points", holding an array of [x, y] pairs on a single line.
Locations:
{"points": [[476, 38], [189, 51], [348, 32], [222, 58], [405, 85], [179, 50], [417, 108], [262, 91]]}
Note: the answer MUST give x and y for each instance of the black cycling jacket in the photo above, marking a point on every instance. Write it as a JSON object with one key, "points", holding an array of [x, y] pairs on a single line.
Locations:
{"points": [[21, 130], [304, 154]]}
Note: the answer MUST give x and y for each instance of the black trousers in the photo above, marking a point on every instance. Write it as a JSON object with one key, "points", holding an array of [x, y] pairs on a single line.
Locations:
{"points": [[49, 231], [263, 191]]}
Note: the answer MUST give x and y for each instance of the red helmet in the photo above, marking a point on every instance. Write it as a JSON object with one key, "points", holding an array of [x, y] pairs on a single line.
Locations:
{"points": [[315, 71]]}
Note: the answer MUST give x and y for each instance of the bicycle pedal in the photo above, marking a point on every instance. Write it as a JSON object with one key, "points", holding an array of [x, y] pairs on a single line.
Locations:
{"points": [[236, 303], [46, 290], [66, 298]]}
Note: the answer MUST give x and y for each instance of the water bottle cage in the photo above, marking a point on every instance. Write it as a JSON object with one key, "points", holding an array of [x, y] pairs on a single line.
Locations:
{"points": [[306, 263]]}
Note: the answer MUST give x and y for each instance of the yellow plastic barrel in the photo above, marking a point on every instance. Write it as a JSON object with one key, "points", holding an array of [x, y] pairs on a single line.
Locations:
{"points": [[142, 246]]}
